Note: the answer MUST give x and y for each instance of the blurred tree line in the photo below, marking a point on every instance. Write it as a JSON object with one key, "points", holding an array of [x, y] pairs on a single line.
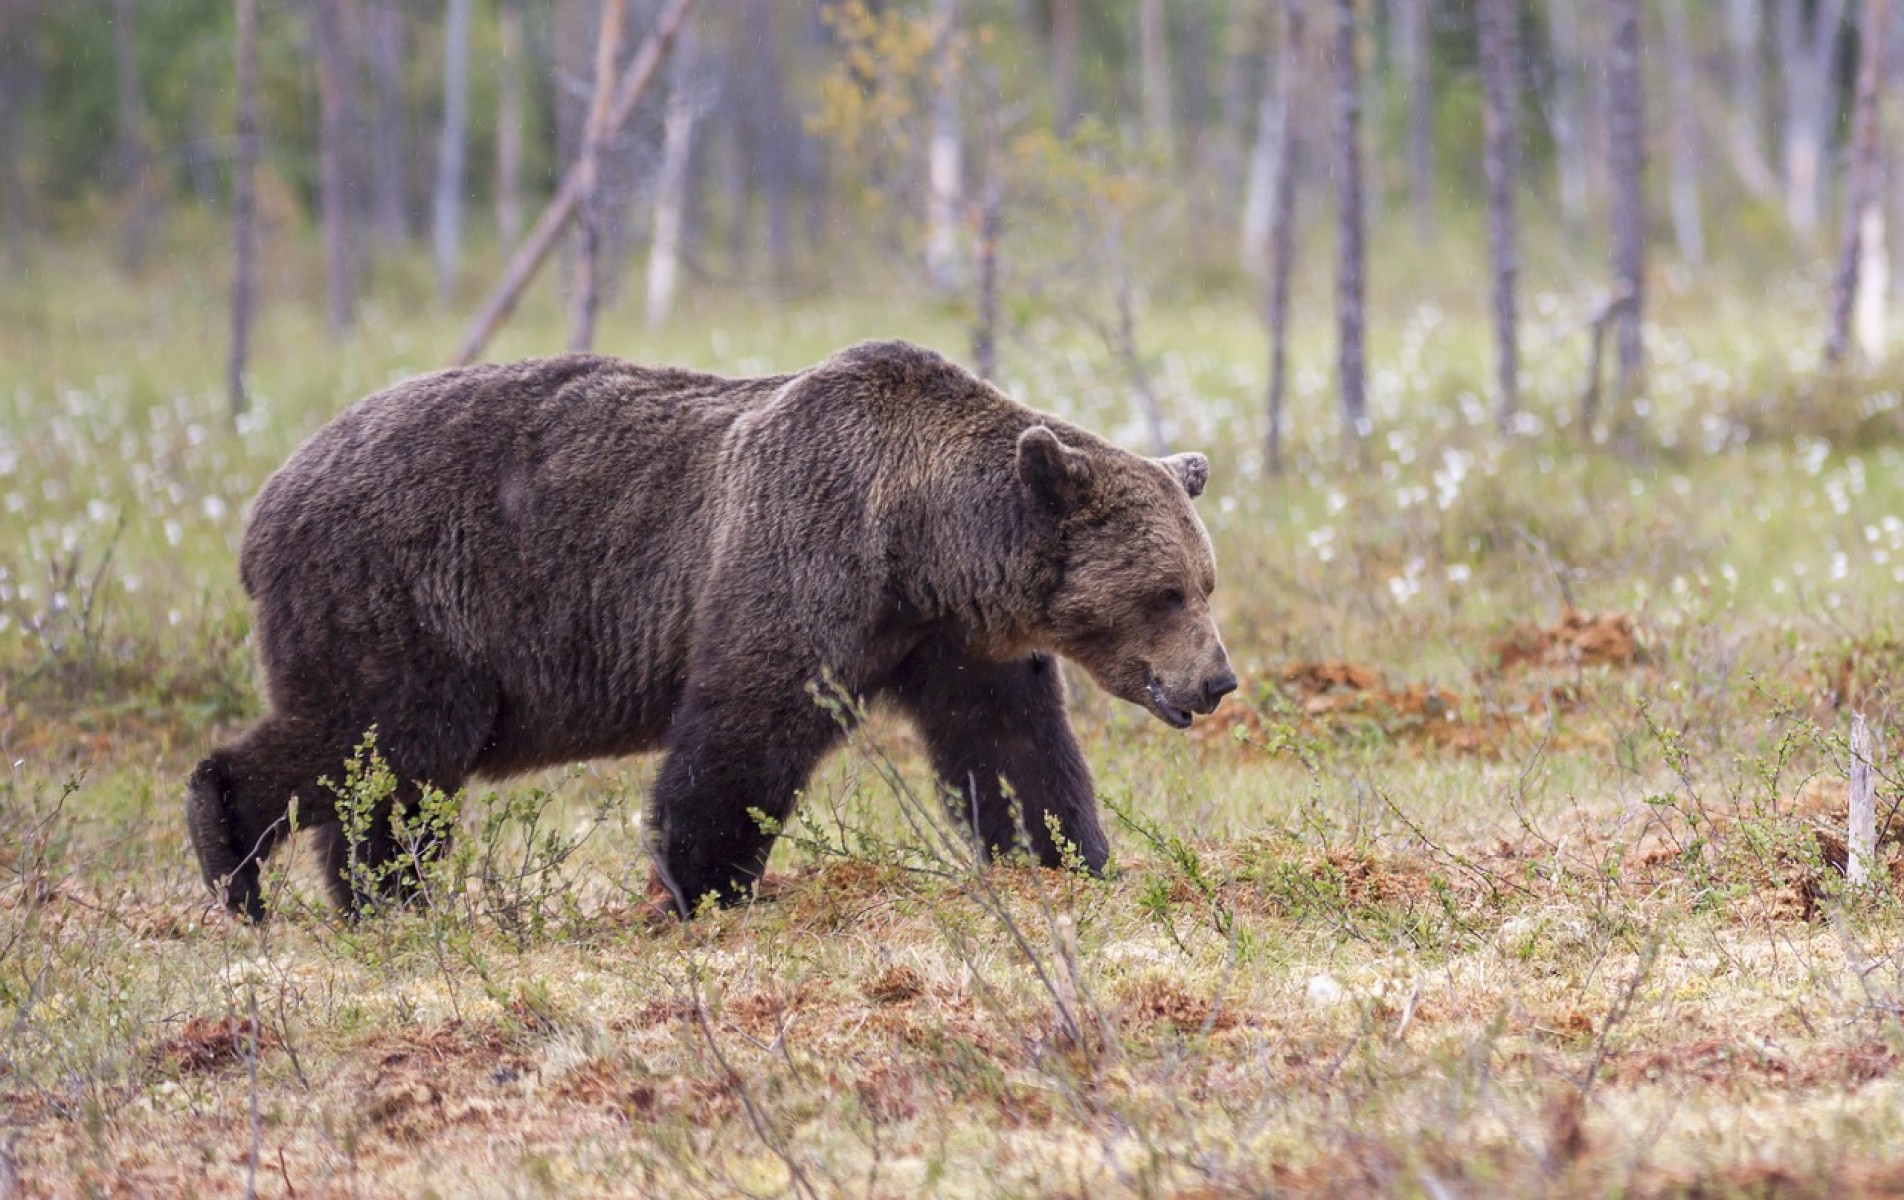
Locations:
{"points": [[783, 132]]}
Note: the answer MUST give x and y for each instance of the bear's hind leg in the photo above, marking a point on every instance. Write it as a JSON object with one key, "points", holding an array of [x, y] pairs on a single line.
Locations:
{"points": [[985, 720], [238, 803]]}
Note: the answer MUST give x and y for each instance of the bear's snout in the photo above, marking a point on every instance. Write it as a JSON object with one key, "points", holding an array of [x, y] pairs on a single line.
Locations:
{"points": [[1216, 687]]}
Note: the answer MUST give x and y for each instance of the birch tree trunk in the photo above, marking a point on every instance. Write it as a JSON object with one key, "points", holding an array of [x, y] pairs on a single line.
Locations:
{"points": [[1860, 278], [1745, 24], [389, 200], [244, 235], [1626, 158], [333, 86], [1808, 50], [1282, 242], [509, 119], [13, 214], [1689, 229], [776, 133], [1266, 151], [1065, 19], [944, 182], [133, 180], [671, 185], [588, 224], [446, 223], [1235, 102], [1568, 120], [1498, 24], [1153, 43], [1414, 54], [1347, 135]]}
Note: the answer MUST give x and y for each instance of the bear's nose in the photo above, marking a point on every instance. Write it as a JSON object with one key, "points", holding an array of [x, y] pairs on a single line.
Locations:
{"points": [[1218, 686]]}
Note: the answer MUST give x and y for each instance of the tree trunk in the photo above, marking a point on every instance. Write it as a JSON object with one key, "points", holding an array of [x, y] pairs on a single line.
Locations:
{"points": [[133, 180], [243, 217], [1065, 19], [13, 216], [1626, 158], [1808, 51], [1414, 53], [333, 88], [1282, 242], [588, 224], [389, 201], [671, 185], [1153, 42], [776, 131], [1349, 217], [509, 119], [1498, 24], [1746, 70], [1689, 230], [944, 183], [1237, 62], [1861, 251], [446, 211], [1193, 94], [1267, 154], [1568, 120]]}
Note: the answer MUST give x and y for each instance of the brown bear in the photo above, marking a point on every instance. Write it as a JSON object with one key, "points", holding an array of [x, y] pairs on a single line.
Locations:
{"points": [[510, 567]]}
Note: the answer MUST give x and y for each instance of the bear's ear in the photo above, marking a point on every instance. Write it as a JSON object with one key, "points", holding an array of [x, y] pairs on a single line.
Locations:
{"points": [[1051, 471], [1192, 470]]}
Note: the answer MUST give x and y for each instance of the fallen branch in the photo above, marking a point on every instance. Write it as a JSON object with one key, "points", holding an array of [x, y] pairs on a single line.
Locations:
{"points": [[561, 209]]}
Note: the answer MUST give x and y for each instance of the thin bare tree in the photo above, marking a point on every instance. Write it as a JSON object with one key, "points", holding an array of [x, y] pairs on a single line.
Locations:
{"points": [[1066, 20], [945, 187], [1861, 257], [1567, 116], [1282, 241], [1626, 155], [588, 225], [133, 180], [1745, 69], [1413, 33], [778, 130], [244, 233], [671, 182], [1808, 36], [542, 237], [334, 98], [446, 210], [1266, 152], [384, 37], [1498, 24], [1153, 52], [1349, 215], [1682, 73], [509, 121]]}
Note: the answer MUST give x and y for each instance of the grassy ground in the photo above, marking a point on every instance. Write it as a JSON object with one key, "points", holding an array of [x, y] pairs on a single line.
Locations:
{"points": [[1514, 868]]}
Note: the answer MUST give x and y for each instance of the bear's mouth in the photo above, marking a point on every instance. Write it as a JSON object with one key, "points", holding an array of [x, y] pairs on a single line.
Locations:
{"points": [[1170, 714]]}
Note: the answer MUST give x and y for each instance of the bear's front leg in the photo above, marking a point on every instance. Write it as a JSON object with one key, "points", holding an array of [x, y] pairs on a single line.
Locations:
{"points": [[986, 721], [734, 751]]}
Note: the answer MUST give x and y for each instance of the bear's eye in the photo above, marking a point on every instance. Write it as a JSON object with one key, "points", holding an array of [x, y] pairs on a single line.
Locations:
{"points": [[1171, 600]]}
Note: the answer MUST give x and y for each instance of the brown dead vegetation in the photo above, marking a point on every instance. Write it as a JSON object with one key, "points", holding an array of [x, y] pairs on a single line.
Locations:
{"points": [[209, 1043], [1335, 696]]}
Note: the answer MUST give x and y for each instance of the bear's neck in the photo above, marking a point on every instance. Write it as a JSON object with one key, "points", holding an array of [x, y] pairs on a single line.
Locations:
{"points": [[973, 561]]}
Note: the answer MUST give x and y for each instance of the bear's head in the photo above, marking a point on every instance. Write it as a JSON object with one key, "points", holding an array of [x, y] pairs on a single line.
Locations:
{"points": [[1132, 600]]}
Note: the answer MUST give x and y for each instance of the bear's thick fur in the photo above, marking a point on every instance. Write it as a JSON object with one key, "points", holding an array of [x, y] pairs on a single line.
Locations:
{"points": [[509, 567]]}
